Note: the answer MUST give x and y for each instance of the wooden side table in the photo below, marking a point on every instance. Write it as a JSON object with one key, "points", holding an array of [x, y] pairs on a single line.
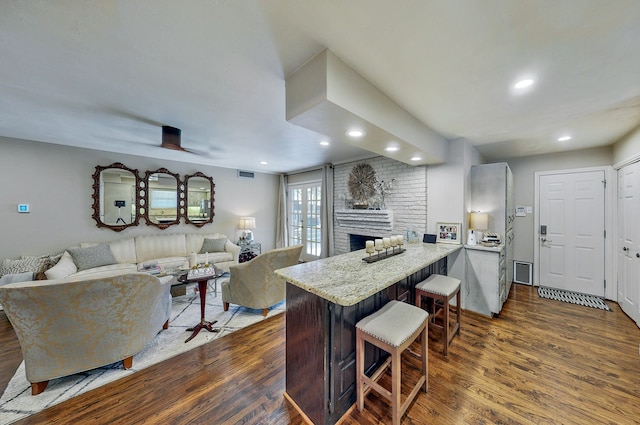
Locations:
{"points": [[202, 281]]}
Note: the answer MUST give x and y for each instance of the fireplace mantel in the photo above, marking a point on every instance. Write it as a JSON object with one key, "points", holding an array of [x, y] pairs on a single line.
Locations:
{"points": [[365, 219]]}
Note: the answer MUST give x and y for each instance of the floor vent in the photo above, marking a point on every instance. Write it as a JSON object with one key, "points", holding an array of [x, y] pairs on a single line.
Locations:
{"points": [[522, 272], [246, 174]]}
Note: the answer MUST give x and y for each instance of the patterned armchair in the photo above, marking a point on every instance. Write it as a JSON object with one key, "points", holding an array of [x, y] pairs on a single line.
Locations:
{"points": [[253, 284], [65, 327]]}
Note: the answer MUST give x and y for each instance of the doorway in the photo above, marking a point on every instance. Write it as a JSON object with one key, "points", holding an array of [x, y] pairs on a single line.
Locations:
{"points": [[305, 201], [628, 246], [571, 230]]}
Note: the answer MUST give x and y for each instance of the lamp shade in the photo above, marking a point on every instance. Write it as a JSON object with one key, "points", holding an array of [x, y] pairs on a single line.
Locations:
{"points": [[247, 223], [478, 221]]}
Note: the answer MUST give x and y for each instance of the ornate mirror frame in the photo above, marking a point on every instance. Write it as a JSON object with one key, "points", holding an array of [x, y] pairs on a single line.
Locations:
{"points": [[146, 204], [199, 223], [97, 197]]}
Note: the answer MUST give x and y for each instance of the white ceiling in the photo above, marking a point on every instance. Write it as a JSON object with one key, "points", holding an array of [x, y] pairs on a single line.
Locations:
{"points": [[107, 74]]}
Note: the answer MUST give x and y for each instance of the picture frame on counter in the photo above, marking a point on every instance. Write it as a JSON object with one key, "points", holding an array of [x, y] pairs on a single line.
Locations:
{"points": [[449, 233]]}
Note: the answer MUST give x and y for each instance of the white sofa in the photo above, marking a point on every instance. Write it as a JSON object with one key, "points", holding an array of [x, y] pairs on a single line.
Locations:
{"points": [[130, 255]]}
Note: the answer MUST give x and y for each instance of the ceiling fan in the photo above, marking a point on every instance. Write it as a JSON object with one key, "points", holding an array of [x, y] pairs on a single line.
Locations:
{"points": [[171, 139]]}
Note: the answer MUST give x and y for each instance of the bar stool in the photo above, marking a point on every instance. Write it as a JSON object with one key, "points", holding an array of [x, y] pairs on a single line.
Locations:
{"points": [[439, 290], [392, 328]]}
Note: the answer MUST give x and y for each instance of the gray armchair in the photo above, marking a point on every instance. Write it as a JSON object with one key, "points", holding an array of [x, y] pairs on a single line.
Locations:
{"points": [[253, 284], [66, 327]]}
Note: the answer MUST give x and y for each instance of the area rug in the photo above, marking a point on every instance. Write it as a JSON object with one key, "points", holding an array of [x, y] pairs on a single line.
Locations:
{"points": [[573, 298], [17, 401]]}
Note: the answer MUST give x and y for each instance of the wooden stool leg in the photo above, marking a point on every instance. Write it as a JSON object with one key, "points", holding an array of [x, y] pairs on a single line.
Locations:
{"points": [[445, 326], [458, 310], [359, 371], [425, 357], [396, 387]]}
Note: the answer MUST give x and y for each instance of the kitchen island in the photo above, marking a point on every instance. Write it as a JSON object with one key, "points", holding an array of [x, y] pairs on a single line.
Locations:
{"points": [[325, 300]]}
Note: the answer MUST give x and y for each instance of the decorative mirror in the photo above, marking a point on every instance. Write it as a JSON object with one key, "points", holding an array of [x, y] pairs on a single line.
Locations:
{"points": [[200, 192], [115, 197], [162, 197]]}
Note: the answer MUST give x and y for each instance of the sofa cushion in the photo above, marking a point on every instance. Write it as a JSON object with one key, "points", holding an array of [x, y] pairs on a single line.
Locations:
{"points": [[18, 277], [104, 271], [213, 245], [169, 263], [93, 256], [153, 247], [195, 240], [123, 250], [215, 257], [63, 268], [24, 264]]}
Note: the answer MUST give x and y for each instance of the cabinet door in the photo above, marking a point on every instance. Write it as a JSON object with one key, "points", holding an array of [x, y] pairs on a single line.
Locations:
{"points": [[483, 279]]}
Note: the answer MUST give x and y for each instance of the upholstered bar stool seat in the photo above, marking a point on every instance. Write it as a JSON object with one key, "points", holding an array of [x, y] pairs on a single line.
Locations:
{"points": [[439, 290], [393, 329]]}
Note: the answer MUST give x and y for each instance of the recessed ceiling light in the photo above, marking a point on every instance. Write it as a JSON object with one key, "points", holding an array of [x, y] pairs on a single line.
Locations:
{"points": [[527, 82], [416, 158], [355, 133], [263, 162], [564, 138], [324, 143], [391, 149]]}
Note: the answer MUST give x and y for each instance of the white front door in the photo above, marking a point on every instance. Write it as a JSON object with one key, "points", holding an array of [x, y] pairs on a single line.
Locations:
{"points": [[628, 246], [571, 233]]}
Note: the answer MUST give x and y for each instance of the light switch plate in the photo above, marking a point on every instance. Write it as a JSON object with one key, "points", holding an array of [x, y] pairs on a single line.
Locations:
{"points": [[23, 208]]}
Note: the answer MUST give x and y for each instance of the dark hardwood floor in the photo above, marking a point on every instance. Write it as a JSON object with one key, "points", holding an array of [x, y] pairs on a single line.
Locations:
{"points": [[540, 362]]}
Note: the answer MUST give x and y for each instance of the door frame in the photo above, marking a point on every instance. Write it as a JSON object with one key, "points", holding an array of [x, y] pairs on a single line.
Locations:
{"points": [[610, 199], [304, 256]]}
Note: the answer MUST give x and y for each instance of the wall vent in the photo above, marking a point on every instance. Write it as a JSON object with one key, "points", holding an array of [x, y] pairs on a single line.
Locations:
{"points": [[246, 174], [522, 272]]}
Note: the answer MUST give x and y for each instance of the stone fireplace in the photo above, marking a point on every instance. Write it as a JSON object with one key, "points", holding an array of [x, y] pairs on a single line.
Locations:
{"points": [[406, 205], [357, 242]]}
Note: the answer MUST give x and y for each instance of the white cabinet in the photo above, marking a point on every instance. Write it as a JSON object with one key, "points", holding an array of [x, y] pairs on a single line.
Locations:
{"points": [[492, 193], [486, 279]]}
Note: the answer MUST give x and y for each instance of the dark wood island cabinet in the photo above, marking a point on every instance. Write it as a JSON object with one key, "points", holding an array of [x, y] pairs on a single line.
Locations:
{"points": [[325, 300]]}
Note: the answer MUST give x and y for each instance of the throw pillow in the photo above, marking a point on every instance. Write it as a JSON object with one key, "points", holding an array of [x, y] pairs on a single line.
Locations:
{"points": [[213, 245], [93, 256], [63, 268], [23, 265]]}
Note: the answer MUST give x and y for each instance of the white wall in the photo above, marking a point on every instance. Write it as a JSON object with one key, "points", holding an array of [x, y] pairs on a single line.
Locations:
{"points": [[627, 149], [448, 186], [57, 182], [448, 199]]}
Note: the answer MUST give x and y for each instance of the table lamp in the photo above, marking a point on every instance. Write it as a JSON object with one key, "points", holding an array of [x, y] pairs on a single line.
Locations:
{"points": [[247, 224], [478, 221]]}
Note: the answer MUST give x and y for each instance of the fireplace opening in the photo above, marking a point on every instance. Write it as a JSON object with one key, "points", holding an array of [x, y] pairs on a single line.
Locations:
{"points": [[357, 242]]}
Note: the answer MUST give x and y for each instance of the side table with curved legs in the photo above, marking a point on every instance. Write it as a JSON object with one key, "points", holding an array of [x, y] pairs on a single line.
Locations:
{"points": [[202, 281]]}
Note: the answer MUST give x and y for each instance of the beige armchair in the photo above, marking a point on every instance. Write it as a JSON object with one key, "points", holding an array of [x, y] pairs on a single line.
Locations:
{"points": [[253, 284], [65, 327]]}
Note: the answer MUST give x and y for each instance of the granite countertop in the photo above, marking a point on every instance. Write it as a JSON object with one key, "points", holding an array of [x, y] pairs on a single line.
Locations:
{"points": [[346, 280]]}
